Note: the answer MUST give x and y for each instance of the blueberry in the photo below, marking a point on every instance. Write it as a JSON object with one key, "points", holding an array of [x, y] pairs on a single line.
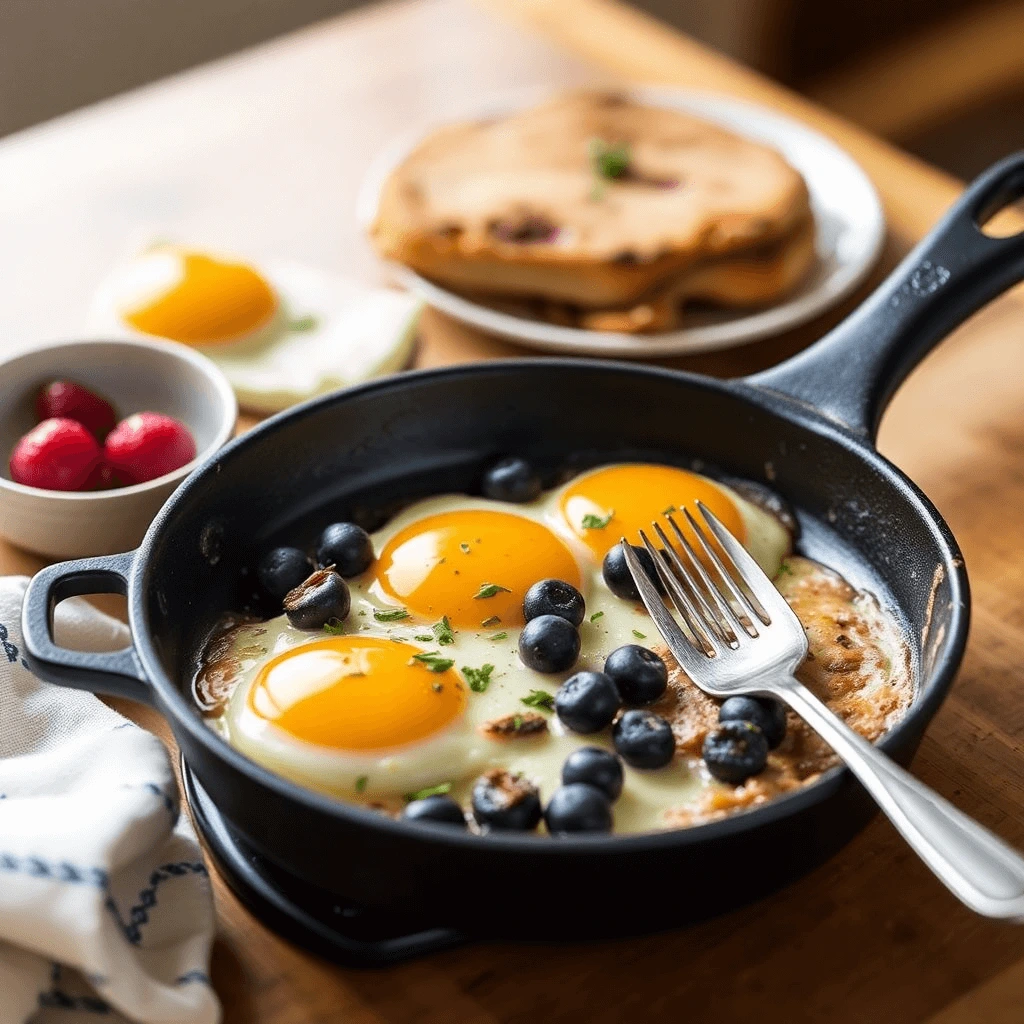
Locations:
{"points": [[435, 808], [549, 644], [578, 808], [345, 546], [283, 569], [639, 673], [512, 479], [506, 801], [735, 751], [554, 597], [596, 767], [616, 573], [767, 714], [644, 739], [587, 702], [321, 599]]}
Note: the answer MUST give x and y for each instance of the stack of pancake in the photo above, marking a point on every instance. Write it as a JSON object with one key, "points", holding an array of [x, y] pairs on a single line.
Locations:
{"points": [[596, 211]]}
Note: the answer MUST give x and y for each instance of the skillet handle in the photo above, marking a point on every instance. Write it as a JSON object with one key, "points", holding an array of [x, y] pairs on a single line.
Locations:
{"points": [[851, 373], [116, 672]]}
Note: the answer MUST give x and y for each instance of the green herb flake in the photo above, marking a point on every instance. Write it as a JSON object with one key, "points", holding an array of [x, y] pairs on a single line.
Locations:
{"points": [[609, 161], [441, 789], [433, 661], [425, 638], [596, 616], [785, 570], [668, 511], [517, 722], [395, 615], [361, 783], [540, 699], [464, 547], [592, 522], [478, 678], [500, 636], [444, 632], [492, 620], [335, 626], [639, 635], [489, 590], [303, 323]]}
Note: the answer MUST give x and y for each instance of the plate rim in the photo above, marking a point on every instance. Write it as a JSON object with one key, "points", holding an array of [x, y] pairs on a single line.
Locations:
{"points": [[745, 329]]}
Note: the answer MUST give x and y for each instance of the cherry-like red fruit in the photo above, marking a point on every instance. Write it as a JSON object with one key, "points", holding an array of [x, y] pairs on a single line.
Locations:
{"points": [[64, 399], [57, 455], [147, 445]]}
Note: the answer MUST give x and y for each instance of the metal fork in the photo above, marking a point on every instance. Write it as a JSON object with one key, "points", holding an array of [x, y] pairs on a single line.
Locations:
{"points": [[741, 637]]}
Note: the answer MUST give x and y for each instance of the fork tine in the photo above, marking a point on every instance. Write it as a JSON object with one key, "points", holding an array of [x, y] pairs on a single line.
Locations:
{"points": [[710, 616], [685, 652], [683, 603], [725, 610], [726, 577], [761, 588]]}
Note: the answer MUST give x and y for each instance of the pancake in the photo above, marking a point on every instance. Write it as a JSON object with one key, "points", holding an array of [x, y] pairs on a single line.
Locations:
{"points": [[598, 203]]}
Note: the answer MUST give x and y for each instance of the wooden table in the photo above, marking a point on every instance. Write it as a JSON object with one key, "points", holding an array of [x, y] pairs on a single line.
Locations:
{"points": [[263, 153]]}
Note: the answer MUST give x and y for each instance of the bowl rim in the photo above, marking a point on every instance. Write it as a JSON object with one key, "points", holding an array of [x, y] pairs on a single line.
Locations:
{"points": [[201, 364]]}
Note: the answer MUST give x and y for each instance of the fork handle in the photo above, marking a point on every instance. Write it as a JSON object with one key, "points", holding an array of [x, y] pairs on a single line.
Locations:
{"points": [[973, 863]]}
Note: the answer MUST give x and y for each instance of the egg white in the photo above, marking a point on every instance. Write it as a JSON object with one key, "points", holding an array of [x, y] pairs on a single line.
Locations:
{"points": [[349, 332], [460, 752]]}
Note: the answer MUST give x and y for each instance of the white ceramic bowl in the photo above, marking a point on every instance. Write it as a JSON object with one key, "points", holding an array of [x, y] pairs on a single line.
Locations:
{"points": [[135, 376]]}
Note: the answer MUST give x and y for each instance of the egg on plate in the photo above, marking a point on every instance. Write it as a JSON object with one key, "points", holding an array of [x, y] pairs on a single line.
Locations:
{"points": [[281, 333], [422, 686]]}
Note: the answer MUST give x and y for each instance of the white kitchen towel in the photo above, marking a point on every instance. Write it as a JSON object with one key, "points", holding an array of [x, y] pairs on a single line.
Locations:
{"points": [[105, 905]]}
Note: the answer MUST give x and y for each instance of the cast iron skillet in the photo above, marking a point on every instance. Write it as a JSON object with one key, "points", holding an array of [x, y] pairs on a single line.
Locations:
{"points": [[806, 427]]}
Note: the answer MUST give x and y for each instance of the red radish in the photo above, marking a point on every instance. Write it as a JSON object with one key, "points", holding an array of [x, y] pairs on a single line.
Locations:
{"points": [[65, 399], [57, 455], [147, 445]]}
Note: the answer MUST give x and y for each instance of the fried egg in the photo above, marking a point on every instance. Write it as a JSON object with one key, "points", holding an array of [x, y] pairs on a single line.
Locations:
{"points": [[407, 696], [281, 333]]}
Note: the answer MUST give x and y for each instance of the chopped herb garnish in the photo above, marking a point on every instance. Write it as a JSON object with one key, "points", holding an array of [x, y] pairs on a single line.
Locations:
{"points": [[443, 631], [596, 616], [478, 678], [609, 161], [785, 568], [490, 589], [517, 722], [639, 635], [500, 636], [361, 783], [424, 638], [303, 323], [592, 522], [433, 661], [390, 616], [465, 548], [668, 511], [540, 699], [421, 794], [334, 626], [492, 620]]}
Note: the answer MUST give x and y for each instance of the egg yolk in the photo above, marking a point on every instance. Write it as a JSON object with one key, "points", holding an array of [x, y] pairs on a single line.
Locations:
{"points": [[208, 301], [620, 501], [356, 693], [474, 566]]}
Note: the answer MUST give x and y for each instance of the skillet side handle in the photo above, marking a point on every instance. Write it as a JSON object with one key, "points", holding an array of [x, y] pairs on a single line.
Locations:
{"points": [[116, 672], [851, 373]]}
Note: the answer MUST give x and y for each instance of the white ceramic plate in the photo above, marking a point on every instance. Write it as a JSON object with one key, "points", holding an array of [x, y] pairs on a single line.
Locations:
{"points": [[847, 211]]}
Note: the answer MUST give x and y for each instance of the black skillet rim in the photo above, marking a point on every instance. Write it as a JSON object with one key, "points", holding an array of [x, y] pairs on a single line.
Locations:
{"points": [[174, 704]]}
